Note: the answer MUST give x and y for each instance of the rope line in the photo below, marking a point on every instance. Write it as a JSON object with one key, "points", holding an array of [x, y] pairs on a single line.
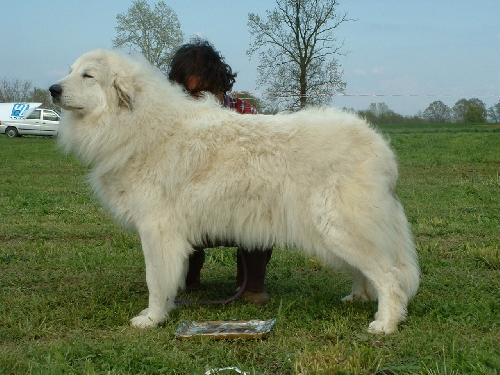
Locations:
{"points": [[284, 94]]}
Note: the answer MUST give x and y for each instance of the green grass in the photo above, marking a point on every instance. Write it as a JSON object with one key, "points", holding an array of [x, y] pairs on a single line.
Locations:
{"points": [[70, 278]]}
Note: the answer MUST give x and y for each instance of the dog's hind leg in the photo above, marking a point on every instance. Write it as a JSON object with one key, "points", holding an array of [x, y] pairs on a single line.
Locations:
{"points": [[164, 254], [375, 277], [392, 300], [368, 253], [363, 223], [362, 288]]}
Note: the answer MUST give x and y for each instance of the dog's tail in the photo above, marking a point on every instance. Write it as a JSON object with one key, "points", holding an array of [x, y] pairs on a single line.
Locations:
{"points": [[406, 257]]}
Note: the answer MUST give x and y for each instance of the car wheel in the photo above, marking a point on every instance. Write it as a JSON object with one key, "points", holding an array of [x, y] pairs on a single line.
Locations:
{"points": [[11, 132]]}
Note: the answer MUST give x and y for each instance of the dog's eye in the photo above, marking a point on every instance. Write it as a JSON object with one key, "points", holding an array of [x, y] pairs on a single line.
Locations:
{"points": [[86, 75]]}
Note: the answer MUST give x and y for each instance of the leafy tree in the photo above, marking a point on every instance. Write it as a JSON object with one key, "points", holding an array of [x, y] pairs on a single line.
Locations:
{"points": [[472, 110], [437, 112], [475, 114], [459, 110], [155, 33], [369, 116], [494, 112], [298, 64]]}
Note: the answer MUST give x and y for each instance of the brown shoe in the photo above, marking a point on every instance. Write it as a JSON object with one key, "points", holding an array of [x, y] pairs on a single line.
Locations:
{"points": [[256, 298], [193, 287]]}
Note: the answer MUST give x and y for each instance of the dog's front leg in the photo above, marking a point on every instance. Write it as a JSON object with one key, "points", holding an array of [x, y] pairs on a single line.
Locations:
{"points": [[164, 254]]}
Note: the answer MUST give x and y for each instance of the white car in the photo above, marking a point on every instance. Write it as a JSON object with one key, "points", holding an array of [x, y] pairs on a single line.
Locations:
{"points": [[41, 121]]}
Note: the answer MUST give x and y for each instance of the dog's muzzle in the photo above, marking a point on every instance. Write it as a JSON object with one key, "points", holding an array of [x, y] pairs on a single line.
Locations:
{"points": [[55, 91]]}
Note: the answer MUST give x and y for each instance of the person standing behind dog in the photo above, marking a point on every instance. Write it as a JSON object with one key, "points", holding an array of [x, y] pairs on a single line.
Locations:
{"points": [[200, 68]]}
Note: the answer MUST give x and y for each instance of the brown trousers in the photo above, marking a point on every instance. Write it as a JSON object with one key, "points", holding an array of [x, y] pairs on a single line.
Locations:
{"points": [[256, 264]]}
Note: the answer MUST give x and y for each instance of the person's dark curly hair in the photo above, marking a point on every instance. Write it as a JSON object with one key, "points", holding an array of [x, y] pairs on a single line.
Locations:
{"points": [[199, 58]]}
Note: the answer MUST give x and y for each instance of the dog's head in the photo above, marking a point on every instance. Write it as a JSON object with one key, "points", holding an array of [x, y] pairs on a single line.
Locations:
{"points": [[96, 82]]}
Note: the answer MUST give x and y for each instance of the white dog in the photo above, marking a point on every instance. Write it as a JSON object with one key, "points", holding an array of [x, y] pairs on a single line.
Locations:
{"points": [[179, 170]]}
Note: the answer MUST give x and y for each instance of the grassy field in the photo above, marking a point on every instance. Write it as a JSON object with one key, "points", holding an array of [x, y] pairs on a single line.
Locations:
{"points": [[70, 279]]}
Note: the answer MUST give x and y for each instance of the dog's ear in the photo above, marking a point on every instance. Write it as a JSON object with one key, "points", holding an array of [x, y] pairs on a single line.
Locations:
{"points": [[125, 92]]}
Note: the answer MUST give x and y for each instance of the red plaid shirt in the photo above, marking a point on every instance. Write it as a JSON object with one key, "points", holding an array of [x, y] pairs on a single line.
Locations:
{"points": [[239, 105]]}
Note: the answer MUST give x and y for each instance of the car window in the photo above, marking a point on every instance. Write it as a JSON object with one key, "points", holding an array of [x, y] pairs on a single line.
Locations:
{"points": [[50, 116], [34, 115]]}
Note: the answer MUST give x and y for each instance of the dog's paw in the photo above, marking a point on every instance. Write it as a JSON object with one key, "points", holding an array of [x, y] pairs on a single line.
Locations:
{"points": [[361, 297], [146, 321], [378, 327], [348, 298]]}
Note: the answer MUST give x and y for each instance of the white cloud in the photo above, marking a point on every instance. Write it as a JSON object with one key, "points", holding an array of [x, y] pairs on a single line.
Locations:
{"points": [[377, 70]]}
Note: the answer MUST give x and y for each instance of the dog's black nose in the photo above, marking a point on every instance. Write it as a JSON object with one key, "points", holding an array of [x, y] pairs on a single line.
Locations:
{"points": [[55, 91]]}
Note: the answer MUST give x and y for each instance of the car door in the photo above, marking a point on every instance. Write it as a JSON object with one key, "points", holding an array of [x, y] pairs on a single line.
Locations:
{"points": [[50, 123], [31, 124]]}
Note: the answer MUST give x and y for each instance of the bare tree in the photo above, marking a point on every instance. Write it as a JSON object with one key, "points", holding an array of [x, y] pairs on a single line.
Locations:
{"points": [[380, 113], [15, 90], [298, 64], [42, 96], [155, 33], [19, 91]]}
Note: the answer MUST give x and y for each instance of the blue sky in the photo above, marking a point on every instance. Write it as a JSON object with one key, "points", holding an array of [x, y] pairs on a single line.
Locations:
{"points": [[409, 53]]}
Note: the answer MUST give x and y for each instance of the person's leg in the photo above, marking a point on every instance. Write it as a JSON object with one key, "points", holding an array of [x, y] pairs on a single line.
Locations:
{"points": [[196, 260], [256, 265]]}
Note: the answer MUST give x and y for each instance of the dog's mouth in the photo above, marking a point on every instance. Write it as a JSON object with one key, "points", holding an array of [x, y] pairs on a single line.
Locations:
{"points": [[71, 108], [56, 91], [68, 107]]}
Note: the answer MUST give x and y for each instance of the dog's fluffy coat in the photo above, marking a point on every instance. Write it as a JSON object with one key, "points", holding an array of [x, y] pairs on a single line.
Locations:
{"points": [[180, 170]]}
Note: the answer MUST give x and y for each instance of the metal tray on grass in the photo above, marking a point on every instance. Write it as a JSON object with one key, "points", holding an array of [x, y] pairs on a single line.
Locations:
{"points": [[225, 329]]}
